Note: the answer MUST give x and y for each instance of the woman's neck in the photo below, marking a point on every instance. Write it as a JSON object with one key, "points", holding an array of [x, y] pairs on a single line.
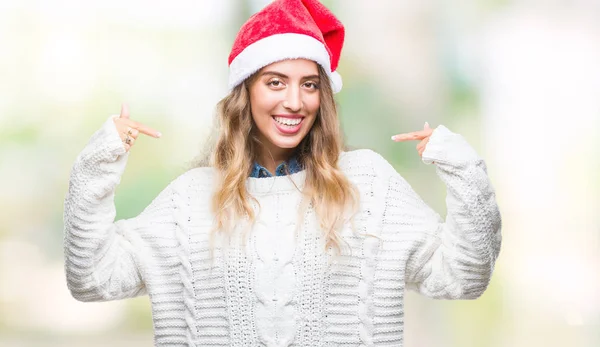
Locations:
{"points": [[270, 159]]}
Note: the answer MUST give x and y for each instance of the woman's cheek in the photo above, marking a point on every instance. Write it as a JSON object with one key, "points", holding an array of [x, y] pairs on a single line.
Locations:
{"points": [[311, 123]]}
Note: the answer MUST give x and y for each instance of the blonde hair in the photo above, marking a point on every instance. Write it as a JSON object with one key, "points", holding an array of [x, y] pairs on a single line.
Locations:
{"points": [[326, 187]]}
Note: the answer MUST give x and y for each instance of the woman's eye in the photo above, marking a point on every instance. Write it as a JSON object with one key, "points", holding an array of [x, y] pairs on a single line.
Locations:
{"points": [[311, 85], [275, 83]]}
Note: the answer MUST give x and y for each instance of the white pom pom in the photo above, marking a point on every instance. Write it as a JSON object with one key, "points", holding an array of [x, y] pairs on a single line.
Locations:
{"points": [[336, 82]]}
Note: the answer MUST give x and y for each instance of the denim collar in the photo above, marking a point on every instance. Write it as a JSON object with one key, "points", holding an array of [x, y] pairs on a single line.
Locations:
{"points": [[293, 166]]}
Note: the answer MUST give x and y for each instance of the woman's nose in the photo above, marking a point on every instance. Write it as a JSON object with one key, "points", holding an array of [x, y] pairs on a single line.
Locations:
{"points": [[293, 99]]}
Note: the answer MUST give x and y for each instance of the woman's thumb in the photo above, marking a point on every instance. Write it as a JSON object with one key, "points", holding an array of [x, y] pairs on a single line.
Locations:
{"points": [[124, 111]]}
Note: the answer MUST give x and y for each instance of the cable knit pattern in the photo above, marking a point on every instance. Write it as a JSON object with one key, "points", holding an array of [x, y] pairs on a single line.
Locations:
{"points": [[271, 284]]}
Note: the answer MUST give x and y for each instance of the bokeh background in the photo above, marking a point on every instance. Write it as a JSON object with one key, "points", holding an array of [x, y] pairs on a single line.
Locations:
{"points": [[520, 79]]}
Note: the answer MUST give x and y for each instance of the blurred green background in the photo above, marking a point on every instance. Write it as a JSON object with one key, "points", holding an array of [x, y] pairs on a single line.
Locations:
{"points": [[519, 79]]}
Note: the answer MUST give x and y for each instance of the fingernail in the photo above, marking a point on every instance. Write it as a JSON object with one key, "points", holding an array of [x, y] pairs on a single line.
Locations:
{"points": [[426, 124], [158, 134], [394, 137]]}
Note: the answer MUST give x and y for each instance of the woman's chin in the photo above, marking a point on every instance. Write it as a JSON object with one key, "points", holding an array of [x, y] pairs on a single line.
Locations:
{"points": [[287, 142]]}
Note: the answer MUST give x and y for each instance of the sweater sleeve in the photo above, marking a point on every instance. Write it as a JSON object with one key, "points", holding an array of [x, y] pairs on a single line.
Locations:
{"points": [[104, 258], [451, 259]]}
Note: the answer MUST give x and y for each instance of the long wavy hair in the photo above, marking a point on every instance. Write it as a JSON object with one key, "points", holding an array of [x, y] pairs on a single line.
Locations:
{"points": [[334, 198]]}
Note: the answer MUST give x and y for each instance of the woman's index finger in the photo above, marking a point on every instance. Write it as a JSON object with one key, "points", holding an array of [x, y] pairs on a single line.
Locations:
{"points": [[143, 128], [415, 135], [148, 131]]}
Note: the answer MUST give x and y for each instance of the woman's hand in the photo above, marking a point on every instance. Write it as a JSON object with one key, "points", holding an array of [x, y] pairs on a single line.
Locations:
{"points": [[422, 135], [129, 129]]}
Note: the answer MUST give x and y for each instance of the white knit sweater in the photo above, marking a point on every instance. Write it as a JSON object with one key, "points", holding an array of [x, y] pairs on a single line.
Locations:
{"points": [[282, 290]]}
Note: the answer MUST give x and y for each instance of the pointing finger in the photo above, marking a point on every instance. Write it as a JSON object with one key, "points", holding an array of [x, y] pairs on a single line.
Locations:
{"points": [[142, 128], [416, 135], [149, 131]]}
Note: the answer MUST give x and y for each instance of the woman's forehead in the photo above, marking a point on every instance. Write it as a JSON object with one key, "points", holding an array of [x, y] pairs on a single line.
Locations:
{"points": [[293, 67]]}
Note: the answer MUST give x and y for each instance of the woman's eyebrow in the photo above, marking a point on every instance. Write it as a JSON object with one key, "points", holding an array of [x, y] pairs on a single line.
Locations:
{"points": [[311, 77], [279, 74], [275, 73]]}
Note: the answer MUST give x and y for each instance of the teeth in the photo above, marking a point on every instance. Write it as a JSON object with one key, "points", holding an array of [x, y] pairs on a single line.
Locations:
{"points": [[288, 121]]}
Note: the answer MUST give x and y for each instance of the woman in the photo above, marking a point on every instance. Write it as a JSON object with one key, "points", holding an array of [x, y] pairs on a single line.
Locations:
{"points": [[285, 239]]}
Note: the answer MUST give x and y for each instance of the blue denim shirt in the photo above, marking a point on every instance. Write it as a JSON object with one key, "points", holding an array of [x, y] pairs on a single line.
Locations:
{"points": [[293, 166]]}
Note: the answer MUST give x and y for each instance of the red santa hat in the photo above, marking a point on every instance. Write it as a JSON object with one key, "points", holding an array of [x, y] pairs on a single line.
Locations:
{"points": [[288, 29]]}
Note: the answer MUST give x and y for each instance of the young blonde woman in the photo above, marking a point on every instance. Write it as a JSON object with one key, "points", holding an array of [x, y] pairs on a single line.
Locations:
{"points": [[285, 239]]}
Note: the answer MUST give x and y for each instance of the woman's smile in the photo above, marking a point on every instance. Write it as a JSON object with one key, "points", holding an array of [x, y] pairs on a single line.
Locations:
{"points": [[288, 124]]}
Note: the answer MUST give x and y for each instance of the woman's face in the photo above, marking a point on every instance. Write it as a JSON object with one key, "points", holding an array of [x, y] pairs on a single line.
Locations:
{"points": [[284, 100]]}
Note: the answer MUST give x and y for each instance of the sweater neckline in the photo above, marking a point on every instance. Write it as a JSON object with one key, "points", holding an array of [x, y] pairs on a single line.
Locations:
{"points": [[276, 183]]}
